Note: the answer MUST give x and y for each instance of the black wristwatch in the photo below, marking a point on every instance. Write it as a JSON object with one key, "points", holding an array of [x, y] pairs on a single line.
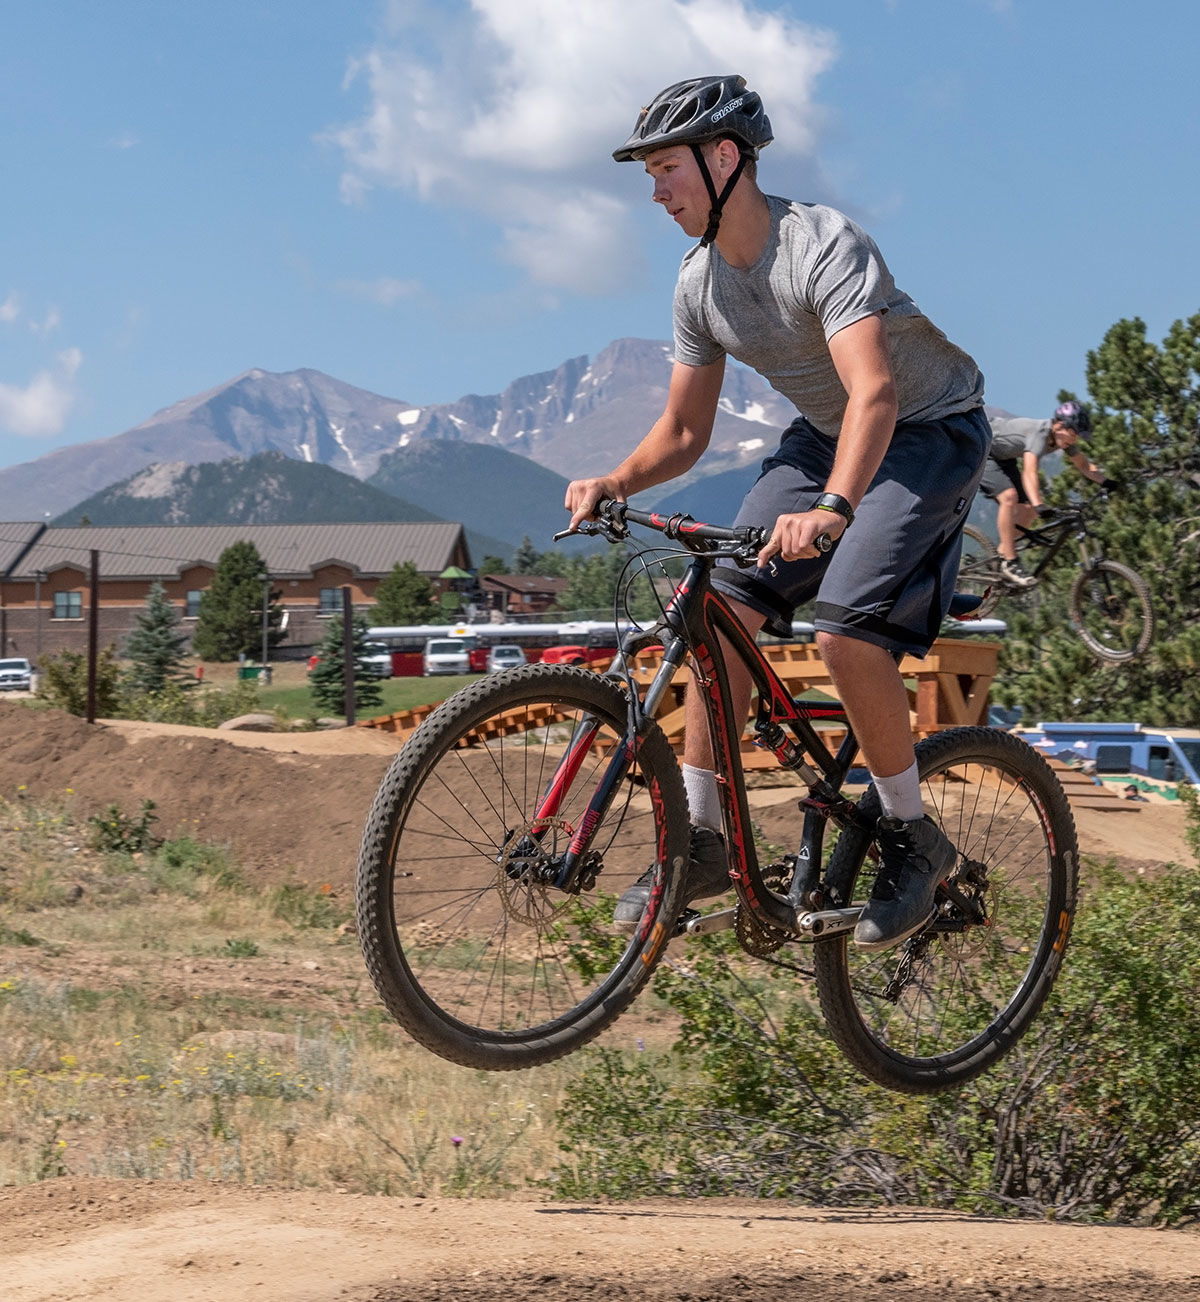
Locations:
{"points": [[837, 503]]}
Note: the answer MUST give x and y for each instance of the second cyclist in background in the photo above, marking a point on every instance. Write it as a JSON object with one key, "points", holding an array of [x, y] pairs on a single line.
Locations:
{"points": [[1011, 477]]}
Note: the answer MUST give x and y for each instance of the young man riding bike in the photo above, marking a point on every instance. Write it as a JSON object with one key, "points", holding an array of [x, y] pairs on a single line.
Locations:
{"points": [[884, 460], [1011, 477]]}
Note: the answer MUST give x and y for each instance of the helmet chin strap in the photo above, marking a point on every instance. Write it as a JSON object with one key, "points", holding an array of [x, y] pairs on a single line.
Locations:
{"points": [[717, 201]]}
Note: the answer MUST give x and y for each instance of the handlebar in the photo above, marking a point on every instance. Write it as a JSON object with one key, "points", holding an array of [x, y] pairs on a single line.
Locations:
{"points": [[742, 544]]}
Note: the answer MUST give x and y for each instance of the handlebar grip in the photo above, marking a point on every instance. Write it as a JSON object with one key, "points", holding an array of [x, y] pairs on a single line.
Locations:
{"points": [[822, 542]]}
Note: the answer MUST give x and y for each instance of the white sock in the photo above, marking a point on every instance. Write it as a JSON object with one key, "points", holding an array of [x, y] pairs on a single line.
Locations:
{"points": [[900, 795], [704, 799]]}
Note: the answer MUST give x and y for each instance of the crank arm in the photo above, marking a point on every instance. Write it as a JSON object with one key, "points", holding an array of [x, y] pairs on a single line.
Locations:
{"points": [[691, 923], [827, 922]]}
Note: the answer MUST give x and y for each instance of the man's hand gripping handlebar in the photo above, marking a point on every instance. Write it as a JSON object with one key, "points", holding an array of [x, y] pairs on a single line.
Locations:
{"points": [[744, 545]]}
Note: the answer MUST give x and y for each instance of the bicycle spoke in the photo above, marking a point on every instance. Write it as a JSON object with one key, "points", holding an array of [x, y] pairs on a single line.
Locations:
{"points": [[943, 1003], [472, 945]]}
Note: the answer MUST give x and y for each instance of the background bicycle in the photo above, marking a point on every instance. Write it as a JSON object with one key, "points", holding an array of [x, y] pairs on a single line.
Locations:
{"points": [[1108, 602], [517, 813]]}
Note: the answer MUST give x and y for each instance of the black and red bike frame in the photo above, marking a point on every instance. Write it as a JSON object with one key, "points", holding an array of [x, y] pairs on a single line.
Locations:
{"points": [[698, 621]]}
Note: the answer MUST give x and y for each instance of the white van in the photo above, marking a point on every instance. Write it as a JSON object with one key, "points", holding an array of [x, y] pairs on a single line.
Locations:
{"points": [[447, 655]]}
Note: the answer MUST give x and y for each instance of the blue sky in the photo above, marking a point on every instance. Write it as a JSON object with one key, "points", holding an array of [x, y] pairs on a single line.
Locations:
{"points": [[417, 197]]}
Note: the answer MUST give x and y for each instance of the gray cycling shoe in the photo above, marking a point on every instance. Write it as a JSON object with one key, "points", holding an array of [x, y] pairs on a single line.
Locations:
{"points": [[707, 876], [914, 857]]}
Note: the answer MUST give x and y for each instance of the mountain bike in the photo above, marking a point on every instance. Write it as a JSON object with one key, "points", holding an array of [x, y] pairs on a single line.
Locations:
{"points": [[1109, 603], [526, 803]]}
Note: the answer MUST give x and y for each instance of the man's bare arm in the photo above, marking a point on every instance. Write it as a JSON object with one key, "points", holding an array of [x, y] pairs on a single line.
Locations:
{"points": [[674, 444], [863, 362]]}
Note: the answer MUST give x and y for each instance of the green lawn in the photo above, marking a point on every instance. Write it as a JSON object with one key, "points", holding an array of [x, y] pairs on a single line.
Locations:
{"points": [[398, 694]]}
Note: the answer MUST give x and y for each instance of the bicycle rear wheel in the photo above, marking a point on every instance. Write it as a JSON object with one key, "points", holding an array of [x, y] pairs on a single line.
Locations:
{"points": [[1111, 611], [942, 1006], [979, 571], [472, 947]]}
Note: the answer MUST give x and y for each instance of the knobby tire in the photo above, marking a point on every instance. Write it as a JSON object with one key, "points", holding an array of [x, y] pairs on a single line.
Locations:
{"points": [[944, 1005], [1111, 611], [979, 571]]}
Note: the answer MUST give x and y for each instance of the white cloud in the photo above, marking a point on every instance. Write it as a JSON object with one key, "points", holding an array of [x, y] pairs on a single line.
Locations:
{"points": [[49, 323], [511, 109], [41, 408], [10, 309], [386, 291]]}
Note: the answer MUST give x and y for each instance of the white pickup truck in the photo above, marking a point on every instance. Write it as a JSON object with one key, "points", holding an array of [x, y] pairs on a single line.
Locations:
{"points": [[16, 674]]}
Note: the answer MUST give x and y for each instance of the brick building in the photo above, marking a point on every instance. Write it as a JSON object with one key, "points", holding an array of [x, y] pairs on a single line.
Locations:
{"points": [[45, 574], [513, 596]]}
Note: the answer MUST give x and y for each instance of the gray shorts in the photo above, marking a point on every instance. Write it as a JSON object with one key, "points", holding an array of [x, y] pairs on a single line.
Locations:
{"points": [[890, 577], [1002, 473]]}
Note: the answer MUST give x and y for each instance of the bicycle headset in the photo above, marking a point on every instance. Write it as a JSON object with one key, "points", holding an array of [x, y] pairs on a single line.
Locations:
{"points": [[693, 113]]}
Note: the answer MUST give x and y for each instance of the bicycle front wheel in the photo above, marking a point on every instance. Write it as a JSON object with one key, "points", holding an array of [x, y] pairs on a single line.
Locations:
{"points": [[945, 1004], [979, 571], [1111, 611], [474, 941]]}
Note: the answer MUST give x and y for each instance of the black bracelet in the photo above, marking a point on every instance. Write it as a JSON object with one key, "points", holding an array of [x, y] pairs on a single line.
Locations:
{"points": [[837, 503]]}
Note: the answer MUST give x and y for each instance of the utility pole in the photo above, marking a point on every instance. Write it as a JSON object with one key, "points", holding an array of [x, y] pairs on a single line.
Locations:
{"points": [[264, 674], [348, 654]]}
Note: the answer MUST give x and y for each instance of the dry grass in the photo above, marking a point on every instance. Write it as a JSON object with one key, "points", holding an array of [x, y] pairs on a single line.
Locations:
{"points": [[161, 1019]]}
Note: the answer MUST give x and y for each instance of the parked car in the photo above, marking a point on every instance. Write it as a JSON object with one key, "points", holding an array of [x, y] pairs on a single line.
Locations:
{"points": [[16, 674], [447, 655], [576, 653], [378, 660], [504, 657]]}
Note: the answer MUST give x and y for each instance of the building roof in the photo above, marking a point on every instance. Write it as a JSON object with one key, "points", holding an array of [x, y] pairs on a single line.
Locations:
{"points": [[523, 585], [15, 537], [288, 550]]}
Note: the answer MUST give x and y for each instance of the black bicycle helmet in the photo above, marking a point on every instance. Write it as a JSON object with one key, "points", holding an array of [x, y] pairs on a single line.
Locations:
{"points": [[694, 112], [1073, 415]]}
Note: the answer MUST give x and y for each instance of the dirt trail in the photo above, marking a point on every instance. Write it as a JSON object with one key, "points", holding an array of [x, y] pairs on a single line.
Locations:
{"points": [[71, 1239], [293, 807]]}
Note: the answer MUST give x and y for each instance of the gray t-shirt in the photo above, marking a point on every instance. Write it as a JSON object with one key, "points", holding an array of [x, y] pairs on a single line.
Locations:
{"points": [[1012, 436], [818, 273]]}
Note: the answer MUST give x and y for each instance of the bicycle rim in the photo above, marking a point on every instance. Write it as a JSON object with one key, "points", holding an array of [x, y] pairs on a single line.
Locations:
{"points": [[471, 947], [979, 571], [1111, 611], [945, 1004]]}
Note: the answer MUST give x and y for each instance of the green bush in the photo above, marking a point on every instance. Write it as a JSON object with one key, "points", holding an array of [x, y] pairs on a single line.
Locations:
{"points": [[63, 682], [119, 833], [1094, 1115]]}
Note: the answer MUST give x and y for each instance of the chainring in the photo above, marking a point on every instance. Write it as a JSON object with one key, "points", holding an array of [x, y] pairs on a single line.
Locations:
{"points": [[760, 939]]}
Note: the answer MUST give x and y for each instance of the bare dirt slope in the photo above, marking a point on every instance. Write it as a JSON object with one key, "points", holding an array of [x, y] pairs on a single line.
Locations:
{"points": [[72, 1239], [294, 806]]}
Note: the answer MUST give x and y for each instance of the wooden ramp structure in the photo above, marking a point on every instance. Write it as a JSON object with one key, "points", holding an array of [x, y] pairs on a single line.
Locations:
{"points": [[948, 688], [1083, 793]]}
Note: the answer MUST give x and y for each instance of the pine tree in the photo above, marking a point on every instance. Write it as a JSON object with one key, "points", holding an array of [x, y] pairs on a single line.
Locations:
{"points": [[405, 597], [229, 623], [327, 682], [526, 557], [1146, 436], [155, 647], [596, 582]]}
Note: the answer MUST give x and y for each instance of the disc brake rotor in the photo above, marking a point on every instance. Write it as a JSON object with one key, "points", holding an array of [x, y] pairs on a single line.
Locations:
{"points": [[527, 897]]}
